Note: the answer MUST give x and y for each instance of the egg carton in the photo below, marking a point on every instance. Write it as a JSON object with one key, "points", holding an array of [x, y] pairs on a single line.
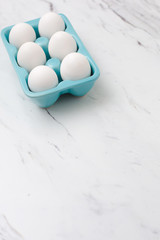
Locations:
{"points": [[48, 97]]}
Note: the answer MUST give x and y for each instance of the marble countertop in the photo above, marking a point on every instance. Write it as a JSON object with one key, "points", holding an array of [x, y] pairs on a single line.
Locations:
{"points": [[87, 168]]}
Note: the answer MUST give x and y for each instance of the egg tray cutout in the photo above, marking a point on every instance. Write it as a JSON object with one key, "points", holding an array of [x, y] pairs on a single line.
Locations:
{"points": [[48, 97]]}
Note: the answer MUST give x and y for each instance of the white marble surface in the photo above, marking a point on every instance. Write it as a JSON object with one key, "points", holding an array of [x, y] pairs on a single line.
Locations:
{"points": [[87, 168]]}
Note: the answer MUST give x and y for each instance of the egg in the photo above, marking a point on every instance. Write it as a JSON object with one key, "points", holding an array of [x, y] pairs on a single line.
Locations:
{"points": [[42, 78], [61, 44], [75, 66], [30, 55], [49, 24], [21, 33]]}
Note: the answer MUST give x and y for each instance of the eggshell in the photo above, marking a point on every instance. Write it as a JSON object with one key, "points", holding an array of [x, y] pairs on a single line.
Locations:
{"points": [[61, 44], [49, 24], [75, 66], [30, 55], [42, 78], [21, 33]]}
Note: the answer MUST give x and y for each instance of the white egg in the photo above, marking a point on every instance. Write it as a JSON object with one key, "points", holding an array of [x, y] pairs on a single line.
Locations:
{"points": [[30, 55], [61, 44], [21, 33], [49, 24], [42, 78], [75, 66]]}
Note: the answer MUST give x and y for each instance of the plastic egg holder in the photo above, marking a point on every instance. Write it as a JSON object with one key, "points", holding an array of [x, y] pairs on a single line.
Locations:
{"points": [[48, 97]]}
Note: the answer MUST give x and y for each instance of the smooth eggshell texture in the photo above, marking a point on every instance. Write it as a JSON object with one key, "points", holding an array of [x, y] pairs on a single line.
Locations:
{"points": [[21, 33], [30, 55], [75, 66], [49, 24], [61, 44], [42, 78]]}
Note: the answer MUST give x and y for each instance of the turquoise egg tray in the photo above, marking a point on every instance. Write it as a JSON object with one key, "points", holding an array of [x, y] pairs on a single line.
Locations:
{"points": [[48, 97]]}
